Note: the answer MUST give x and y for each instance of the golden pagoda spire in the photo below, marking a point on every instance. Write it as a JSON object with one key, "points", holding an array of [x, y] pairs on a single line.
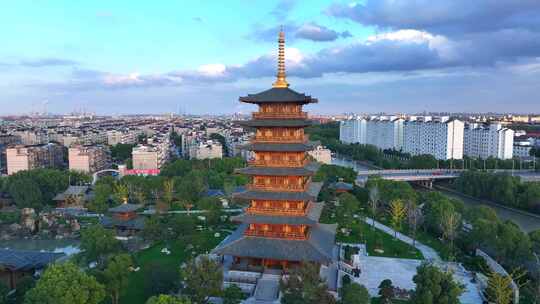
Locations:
{"points": [[281, 81]]}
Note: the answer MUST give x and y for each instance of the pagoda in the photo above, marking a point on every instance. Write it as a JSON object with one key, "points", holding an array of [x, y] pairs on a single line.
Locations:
{"points": [[280, 228]]}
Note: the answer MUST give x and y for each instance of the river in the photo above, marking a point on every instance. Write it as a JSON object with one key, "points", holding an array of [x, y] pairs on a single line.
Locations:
{"points": [[526, 222], [67, 246]]}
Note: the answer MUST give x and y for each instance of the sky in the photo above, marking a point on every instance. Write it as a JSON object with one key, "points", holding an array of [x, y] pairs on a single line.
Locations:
{"points": [[198, 57]]}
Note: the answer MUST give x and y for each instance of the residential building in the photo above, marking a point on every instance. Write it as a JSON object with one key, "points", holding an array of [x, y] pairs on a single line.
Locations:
{"points": [[482, 141], [89, 159], [206, 150], [151, 156], [115, 137], [21, 157], [441, 138]]}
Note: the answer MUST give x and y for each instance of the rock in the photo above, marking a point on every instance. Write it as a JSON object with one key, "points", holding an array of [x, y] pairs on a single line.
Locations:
{"points": [[75, 226], [15, 227]]}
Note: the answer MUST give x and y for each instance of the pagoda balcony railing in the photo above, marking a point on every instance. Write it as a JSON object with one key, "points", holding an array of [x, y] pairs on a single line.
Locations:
{"points": [[280, 139], [297, 188], [275, 115], [279, 163], [274, 234], [275, 211]]}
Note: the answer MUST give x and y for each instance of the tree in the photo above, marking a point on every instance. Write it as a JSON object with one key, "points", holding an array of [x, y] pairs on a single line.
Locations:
{"points": [[348, 206], [115, 275], [65, 284], [434, 286], [121, 192], [202, 278], [97, 243], [354, 293], [153, 229], [450, 224], [161, 279], [181, 225], [386, 291], [304, 286], [167, 299], [233, 295], [535, 240], [4, 290], [168, 191], [374, 198], [23, 286], [398, 210], [414, 214]]}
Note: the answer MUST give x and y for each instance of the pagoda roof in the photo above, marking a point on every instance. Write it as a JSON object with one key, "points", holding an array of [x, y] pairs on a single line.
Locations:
{"points": [[311, 218], [278, 95], [280, 147], [317, 248], [275, 123], [341, 186], [21, 260], [309, 195], [307, 170], [122, 208], [136, 223]]}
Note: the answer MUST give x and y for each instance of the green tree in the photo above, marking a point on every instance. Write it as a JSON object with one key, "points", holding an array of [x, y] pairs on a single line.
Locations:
{"points": [[168, 191], [23, 286], [116, 274], [65, 284], [167, 299], [97, 243], [451, 221], [304, 286], [348, 206], [374, 198], [386, 291], [534, 236], [121, 152], [202, 278], [153, 228], [233, 295], [354, 294], [4, 290], [434, 286], [397, 211]]}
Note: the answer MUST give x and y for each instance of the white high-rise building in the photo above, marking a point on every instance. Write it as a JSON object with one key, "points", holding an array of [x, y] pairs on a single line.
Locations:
{"points": [[353, 130], [385, 133], [441, 138], [492, 141]]}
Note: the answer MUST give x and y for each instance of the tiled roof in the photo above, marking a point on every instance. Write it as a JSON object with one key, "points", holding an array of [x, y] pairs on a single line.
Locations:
{"points": [[125, 208], [278, 95], [309, 195], [312, 217], [136, 223], [280, 171], [25, 259], [317, 248], [275, 123], [72, 191], [280, 147], [341, 186]]}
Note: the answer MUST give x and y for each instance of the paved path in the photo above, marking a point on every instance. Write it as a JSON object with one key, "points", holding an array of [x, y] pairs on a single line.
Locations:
{"points": [[428, 252]]}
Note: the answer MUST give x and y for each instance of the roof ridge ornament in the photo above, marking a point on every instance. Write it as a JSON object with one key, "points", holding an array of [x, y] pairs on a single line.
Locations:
{"points": [[281, 81]]}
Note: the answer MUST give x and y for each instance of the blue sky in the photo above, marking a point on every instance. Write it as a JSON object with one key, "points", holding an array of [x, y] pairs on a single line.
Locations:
{"points": [[370, 56]]}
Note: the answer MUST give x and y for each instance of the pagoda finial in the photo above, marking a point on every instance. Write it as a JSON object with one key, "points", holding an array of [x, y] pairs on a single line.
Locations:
{"points": [[281, 81]]}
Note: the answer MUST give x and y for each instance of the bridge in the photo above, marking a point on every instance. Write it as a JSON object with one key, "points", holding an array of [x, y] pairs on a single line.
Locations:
{"points": [[96, 175], [426, 176]]}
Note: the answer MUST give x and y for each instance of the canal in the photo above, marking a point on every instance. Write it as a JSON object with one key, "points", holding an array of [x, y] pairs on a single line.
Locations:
{"points": [[526, 221]]}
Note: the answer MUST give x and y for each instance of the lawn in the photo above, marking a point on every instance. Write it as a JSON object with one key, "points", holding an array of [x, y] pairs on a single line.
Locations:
{"points": [[364, 233], [137, 291]]}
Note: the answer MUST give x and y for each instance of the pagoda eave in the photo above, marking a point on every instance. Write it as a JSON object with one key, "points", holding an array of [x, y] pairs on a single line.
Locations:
{"points": [[279, 147], [310, 195], [278, 95], [310, 219], [317, 248], [307, 170]]}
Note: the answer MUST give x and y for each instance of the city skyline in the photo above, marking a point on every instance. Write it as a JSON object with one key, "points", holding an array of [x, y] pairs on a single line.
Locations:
{"points": [[372, 56]]}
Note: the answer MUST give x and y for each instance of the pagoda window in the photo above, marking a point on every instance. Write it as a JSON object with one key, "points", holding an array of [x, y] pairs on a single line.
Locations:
{"points": [[286, 228], [266, 227]]}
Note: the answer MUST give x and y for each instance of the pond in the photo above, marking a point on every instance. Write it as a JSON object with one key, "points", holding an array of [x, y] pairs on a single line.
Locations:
{"points": [[66, 246]]}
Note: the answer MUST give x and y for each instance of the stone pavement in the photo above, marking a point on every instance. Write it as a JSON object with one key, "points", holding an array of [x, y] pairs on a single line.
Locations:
{"points": [[428, 252]]}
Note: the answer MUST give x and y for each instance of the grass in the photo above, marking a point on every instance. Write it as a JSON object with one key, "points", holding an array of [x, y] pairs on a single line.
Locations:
{"points": [[136, 291], [391, 247]]}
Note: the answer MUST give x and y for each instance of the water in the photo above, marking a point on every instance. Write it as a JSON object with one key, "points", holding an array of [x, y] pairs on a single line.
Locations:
{"points": [[66, 246], [339, 160], [526, 222]]}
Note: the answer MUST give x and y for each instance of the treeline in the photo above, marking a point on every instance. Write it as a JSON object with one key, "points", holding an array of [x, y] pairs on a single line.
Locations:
{"points": [[328, 135], [36, 188], [501, 188]]}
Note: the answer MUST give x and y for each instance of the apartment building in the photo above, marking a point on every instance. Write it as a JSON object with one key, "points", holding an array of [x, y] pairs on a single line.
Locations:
{"points": [[22, 157], [481, 141], [442, 138], [115, 137], [206, 150], [89, 159], [153, 155]]}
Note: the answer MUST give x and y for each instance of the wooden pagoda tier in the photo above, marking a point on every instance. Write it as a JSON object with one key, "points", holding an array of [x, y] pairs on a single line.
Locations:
{"points": [[281, 225]]}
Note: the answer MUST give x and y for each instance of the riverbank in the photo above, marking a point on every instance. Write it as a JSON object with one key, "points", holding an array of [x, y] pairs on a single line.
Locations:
{"points": [[66, 246]]}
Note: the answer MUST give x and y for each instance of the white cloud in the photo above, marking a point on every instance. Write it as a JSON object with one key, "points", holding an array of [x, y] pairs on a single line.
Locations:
{"points": [[212, 69]]}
